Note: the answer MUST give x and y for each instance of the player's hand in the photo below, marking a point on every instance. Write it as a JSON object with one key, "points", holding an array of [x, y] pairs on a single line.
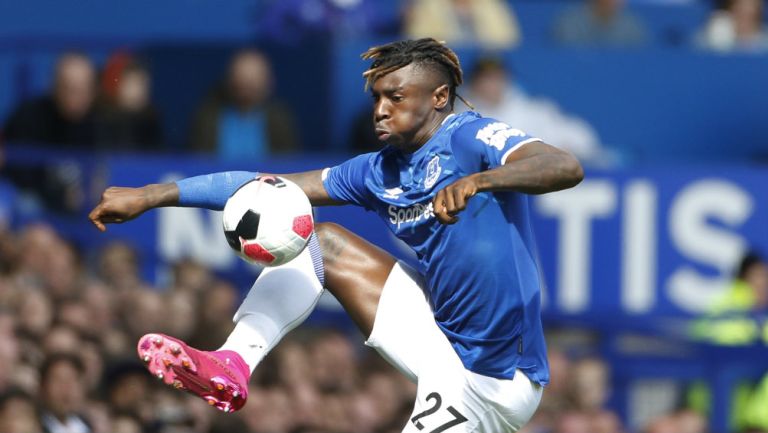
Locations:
{"points": [[453, 199], [120, 204]]}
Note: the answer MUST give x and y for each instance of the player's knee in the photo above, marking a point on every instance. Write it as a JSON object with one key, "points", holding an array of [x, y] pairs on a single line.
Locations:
{"points": [[338, 245], [323, 229]]}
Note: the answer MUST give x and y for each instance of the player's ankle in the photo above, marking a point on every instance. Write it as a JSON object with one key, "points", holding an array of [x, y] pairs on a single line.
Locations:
{"points": [[236, 358]]}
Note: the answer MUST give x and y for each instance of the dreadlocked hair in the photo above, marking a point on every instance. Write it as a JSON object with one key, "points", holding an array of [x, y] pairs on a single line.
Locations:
{"points": [[426, 51]]}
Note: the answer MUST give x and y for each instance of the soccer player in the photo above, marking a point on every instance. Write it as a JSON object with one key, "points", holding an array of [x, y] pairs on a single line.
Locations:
{"points": [[466, 325]]}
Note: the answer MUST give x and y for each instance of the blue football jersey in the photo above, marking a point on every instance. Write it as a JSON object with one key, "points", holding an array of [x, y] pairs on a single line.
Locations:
{"points": [[484, 284]]}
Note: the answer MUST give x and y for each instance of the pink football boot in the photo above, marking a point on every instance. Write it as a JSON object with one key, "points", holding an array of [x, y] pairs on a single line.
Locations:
{"points": [[220, 378]]}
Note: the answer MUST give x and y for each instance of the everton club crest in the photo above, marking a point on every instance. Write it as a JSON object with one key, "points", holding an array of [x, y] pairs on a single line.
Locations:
{"points": [[433, 172]]}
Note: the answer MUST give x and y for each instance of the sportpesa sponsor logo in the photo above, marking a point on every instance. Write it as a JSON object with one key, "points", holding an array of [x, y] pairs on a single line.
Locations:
{"points": [[412, 214]]}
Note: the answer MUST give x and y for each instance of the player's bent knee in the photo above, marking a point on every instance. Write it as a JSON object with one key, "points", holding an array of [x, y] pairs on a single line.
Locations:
{"points": [[339, 244], [322, 228], [351, 262]]}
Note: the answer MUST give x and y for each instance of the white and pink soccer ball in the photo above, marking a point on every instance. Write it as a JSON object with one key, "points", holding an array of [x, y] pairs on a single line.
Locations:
{"points": [[268, 221]]}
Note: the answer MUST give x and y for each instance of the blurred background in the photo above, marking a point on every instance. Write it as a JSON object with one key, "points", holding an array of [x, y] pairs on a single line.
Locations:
{"points": [[657, 291]]}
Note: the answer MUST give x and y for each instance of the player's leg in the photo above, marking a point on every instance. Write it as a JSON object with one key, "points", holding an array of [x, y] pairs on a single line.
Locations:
{"points": [[280, 299], [452, 399], [361, 276], [352, 269], [387, 301], [449, 397], [383, 297], [355, 272]]}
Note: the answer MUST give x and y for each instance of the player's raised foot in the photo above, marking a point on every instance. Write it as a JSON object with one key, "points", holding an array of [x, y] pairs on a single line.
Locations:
{"points": [[220, 378]]}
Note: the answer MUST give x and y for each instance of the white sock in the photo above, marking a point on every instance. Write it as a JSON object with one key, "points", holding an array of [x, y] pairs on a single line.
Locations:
{"points": [[280, 299]]}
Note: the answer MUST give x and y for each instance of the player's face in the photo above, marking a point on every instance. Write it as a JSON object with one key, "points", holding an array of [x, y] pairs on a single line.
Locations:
{"points": [[406, 106]]}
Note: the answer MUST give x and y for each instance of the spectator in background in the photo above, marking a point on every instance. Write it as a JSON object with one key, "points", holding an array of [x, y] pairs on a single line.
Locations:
{"points": [[485, 23], [683, 421], [689, 421], [34, 308], [9, 351], [125, 423], [119, 267], [60, 339], [192, 276], [241, 120], [126, 119], [664, 424], [589, 385], [127, 387], [182, 312], [294, 21], [62, 390], [736, 319], [18, 413], [579, 400], [333, 359], [213, 325], [573, 422], [63, 117], [494, 94], [144, 310], [590, 388], [737, 28], [600, 23], [749, 290], [48, 261]]}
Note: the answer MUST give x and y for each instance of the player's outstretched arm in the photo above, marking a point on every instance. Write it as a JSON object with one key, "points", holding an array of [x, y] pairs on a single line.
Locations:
{"points": [[211, 191], [120, 204], [536, 168]]}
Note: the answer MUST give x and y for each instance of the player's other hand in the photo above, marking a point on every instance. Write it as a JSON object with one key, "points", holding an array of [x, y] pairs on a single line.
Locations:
{"points": [[453, 199], [118, 205]]}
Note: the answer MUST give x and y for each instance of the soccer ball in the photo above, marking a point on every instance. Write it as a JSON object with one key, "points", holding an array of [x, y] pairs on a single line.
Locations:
{"points": [[268, 221]]}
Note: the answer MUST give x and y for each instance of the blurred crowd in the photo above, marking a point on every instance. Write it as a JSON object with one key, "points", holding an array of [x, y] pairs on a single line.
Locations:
{"points": [[110, 108], [733, 25], [70, 319], [575, 402]]}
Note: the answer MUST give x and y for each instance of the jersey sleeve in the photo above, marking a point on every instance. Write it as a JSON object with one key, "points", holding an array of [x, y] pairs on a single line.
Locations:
{"points": [[485, 143], [346, 181], [211, 191]]}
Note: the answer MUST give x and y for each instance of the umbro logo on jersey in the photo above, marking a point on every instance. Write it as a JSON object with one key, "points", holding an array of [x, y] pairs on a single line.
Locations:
{"points": [[393, 193]]}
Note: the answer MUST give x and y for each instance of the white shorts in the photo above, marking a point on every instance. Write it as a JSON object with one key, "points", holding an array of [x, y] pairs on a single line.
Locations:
{"points": [[449, 397]]}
